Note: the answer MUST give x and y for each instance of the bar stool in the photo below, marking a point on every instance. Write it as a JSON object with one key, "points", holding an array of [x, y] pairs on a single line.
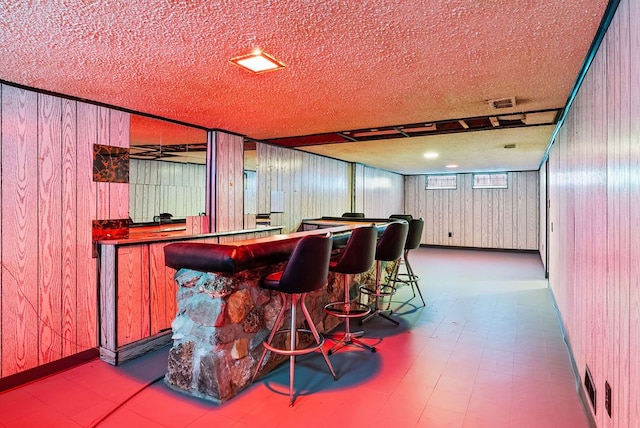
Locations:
{"points": [[306, 271], [389, 249], [356, 257], [414, 236]]}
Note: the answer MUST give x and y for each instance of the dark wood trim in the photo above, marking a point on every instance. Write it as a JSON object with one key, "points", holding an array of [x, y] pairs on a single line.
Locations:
{"points": [[48, 369]]}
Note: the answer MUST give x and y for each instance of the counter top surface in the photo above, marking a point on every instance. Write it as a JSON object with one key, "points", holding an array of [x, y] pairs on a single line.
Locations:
{"points": [[174, 233]]}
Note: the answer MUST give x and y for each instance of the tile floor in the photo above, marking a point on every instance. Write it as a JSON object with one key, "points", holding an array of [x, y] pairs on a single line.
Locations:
{"points": [[486, 351]]}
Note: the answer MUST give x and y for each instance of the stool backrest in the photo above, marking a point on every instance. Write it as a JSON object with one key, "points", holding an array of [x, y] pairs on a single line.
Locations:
{"points": [[415, 234], [308, 265], [354, 215], [406, 217], [357, 256], [391, 243]]}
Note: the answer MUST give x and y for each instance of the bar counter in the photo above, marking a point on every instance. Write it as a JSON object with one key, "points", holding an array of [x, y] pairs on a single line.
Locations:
{"points": [[223, 314], [137, 292]]}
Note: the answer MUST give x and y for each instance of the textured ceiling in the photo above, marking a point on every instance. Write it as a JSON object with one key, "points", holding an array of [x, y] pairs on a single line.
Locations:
{"points": [[350, 64]]}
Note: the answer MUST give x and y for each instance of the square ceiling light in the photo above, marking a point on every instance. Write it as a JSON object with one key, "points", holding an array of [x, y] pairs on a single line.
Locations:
{"points": [[257, 62]]}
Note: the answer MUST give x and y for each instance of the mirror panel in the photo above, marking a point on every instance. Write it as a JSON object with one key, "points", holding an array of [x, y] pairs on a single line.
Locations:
{"points": [[167, 177]]}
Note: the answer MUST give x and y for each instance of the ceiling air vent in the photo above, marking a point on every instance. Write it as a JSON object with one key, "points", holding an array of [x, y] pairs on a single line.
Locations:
{"points": [[503, 103]]}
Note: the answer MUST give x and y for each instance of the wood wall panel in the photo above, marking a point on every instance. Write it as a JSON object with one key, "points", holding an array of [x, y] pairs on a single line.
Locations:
{"points": [[102, 138], [19, 230], [357, 187], [133, 294], [634, 212], [482, 218], [49, 228], [542, 215], [48, 200], [383, 193], [229, 182], [87, 211], [69, 267], [316, 186], [119, 124], [593, 186], [313, 186], [163, 289]]}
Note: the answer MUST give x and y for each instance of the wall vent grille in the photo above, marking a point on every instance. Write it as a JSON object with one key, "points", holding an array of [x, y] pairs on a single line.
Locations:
{"points": [[590, 388]]}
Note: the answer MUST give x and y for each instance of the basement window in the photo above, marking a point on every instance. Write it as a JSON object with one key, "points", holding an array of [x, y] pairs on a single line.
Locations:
{"points": [[490, 181], [441, 182]]}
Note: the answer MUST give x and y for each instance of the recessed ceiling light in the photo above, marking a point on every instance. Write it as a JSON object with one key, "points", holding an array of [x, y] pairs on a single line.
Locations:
{"points": [[451, 166], [257, 62], [430, 155]]}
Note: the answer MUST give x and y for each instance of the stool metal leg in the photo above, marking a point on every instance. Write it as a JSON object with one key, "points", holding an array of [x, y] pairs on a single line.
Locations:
{"points": [[293, 340], [316, 335], [349, 337], [283, 300], [384, 313], [409, 278], [413, 278]]}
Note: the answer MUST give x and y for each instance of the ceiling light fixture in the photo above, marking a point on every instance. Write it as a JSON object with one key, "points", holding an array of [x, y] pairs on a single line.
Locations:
{"points": [[257, 62], [430, 155], [451, 166]]}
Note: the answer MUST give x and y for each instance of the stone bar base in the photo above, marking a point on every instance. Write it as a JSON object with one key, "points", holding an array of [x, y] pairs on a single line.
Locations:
{"points": [[222, 321]]}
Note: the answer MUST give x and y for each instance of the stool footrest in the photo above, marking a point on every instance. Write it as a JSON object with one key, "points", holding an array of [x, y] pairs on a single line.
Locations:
{"points": [[347, 309], [382, 293], [404, 278], [310, 348]]}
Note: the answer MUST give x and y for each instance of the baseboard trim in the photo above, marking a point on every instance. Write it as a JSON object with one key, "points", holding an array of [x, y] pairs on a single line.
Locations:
{"points": [[30, 375], [582, 394]]}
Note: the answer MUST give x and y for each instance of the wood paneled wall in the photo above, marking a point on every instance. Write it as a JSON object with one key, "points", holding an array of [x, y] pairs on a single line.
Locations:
{"points": [[48, 296], [165, 187], [228, 183], [594, 215], [481, 218], [316, 186], [378, 193], [250, 192], [313, 185], [542, 216]]}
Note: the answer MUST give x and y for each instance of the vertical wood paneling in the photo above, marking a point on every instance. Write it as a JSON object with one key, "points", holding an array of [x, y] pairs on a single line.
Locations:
{"points": [[593, 191], [69, 229], [49, 228], [87, 210], [634, 213], [618, 189], [383, 193], [19, 230], [313, 186], [542, 216], [483, 218], [228, 181], [119, 124], [2, 301], [357, 185], [108, 310], [222, 182], [49, 283], [162, 290], [102, 138], [133, 315]]}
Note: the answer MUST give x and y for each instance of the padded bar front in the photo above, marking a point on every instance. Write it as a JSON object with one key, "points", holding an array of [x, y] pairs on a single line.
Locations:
{"points": [[227, 258]]}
